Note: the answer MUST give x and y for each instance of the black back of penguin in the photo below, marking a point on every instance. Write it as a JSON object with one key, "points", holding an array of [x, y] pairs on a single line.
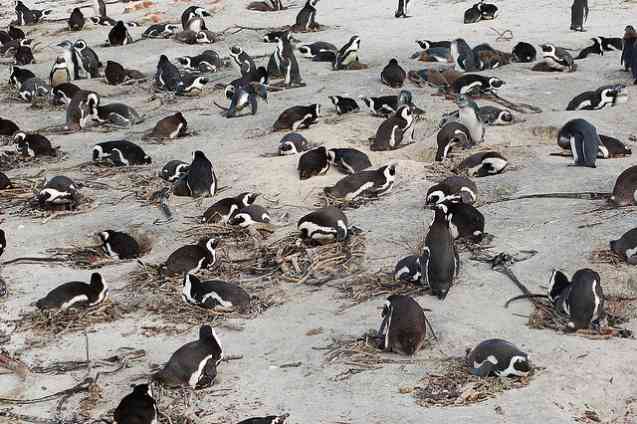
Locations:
{"points": [[194, 363], [403, 325], [119, 244], [482, 164], [625, 246], [465, 221], [440, 259], [270, 419], [121, 152], [76, 20], [585, 299], [497, 357], [201, 179], [167, 76], [173, 170], [313, 162], [583, 140], [455, 187], [191, 258], [625, 188], [215, 294], [409, 269], [348, 160], [344, 104], [329, 223], [75, 293], [393, 74], [138, 407]]}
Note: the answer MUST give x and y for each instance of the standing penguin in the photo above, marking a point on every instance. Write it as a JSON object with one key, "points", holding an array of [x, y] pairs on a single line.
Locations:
{"points": [[440, 260], [581, 300], [579, 14], [288, 66], [583, 140], [401, 12], [393, 74], [119, 245], [306, 18], [76, 293], [324, 225], [138, 407], [463, 57], [87, 60], [313, 162], [193, 12], [243, 61], [201, 179], [497, 357], [404, 325], [391, 132], [625, 247], [76, 20], [625, 189], [194, 364], [348, 54], [167, 76]]}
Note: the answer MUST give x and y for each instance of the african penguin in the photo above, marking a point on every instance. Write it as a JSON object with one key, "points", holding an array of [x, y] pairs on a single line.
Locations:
{"points": [[116, 114], [271, 37], [120, 153], [160, 31], [555, 59], [611, 147], [226, 209], [76, 293], [596, 48], [246, 94], [472, 15], [173, 170], [492, 115], [499, 358], [80, 109], [581, 299], [170, 127], [19, 76], [119, 245], [476, 84], [87, 60], [33, 145], [7, 127], [191, 13], [270, 419], [625, 246], [63, 93], [76, 20], [348, 160], [167, 76], [206, 61], [465, 221], [138, 407], [250, 215], [451, 135], [191, 83], [194, 364], [61, 72], [266, 6], [483, 164], [215, 294], [193, 257], [408, 269], [456, 188], [313, 162], [372, 183], [344, 104], [298, 117], [201, 179], [319, 51], [524, 53], [114, 73], [348, 54], [393, 74], [404, 325], [625, 189], [306, 18], [381, 106], [32, 88], [440, 261], [324, 225], [292, 144], [401, 12], [463, 57], [57, 191], [608, 95], [582, 139], [392, 131], [243, 61]]}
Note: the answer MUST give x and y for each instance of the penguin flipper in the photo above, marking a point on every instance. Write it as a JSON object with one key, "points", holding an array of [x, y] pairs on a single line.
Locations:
{"points": [[253, 104]]}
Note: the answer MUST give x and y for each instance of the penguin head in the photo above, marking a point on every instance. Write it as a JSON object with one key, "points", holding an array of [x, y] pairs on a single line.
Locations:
{"points": [[202, 38], [406, 112], [206, 332], [248, 198], [434, 197], [334, 100], [141, 390], [548, 49], [105, 236], [557, 283], [424, 44], [163, 60], [97, 282], [19, 136], [287, 148], [368, 101], [393, 62], [211, 244], [495, 82], [262, 91], [185, 61], [404, 97], [312, 3], [80, 45], [198, 155], [505, 116], [201, 12], [235, 51], [390, 171], [147, 160]]}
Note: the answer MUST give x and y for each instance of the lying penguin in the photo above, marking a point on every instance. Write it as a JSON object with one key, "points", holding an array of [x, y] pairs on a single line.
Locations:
{"points": [[625, 189], [119, 245], [76, 293], [324, 225], [369, 184], [215, 294], [454, 188], [193, 257], [483, 164], [626, 247], [194, 364], [225, 209], [497, 357]]}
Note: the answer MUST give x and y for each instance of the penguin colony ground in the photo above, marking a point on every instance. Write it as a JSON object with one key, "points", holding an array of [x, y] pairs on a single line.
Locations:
{"points": [[211, 149]]}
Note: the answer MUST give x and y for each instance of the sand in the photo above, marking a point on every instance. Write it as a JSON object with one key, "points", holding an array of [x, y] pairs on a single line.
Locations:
{"points": [[577, 374]]}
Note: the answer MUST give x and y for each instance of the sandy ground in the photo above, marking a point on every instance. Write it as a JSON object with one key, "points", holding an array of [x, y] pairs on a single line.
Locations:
{"points": [[579, 374]]}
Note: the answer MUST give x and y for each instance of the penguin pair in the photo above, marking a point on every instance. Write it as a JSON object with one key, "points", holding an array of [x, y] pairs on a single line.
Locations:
{"points": [[473, 84], [497, 357], [306, 18], [116, 74], [33, 145], [463, 57], [455, 188], [581, 299], [368, 184], [86, 63], [480, 11], [206, 61], [246, 93], [392, 131], [173, 170], [193, 12], [217, 295], [440, 260], [347, 56], [483, 164], [344, 105], [116, 114], [200, 181], [292, 144], [137, 407], [194, 364], [608, 95], [76, 293], [298, 117], [26, 16], [59, 190], [324, 225], [170, 127], [404, 325], [393, 74], [193, 257], [119, 35], [582, 139], [119, 245], [625, 189], [160, 31], [120, 153], [625, 247], [555, 59], [81, 108], [225, 209]]}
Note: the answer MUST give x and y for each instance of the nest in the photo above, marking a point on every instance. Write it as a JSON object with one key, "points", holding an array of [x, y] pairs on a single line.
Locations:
{"points": [[456, 386], [16, 195], [367, 285], [546, 316], [33, 209], [15, 160], [56, 323], [605, 256], [232, 235]]}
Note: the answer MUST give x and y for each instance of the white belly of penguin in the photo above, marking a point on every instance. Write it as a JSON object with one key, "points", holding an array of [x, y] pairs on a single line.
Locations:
{"points": [[176, 132], [318, 232], [297, 124], [196, 376], [573, 149], [213, 295], [355, 194], [73, 301], [497, 164]]}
